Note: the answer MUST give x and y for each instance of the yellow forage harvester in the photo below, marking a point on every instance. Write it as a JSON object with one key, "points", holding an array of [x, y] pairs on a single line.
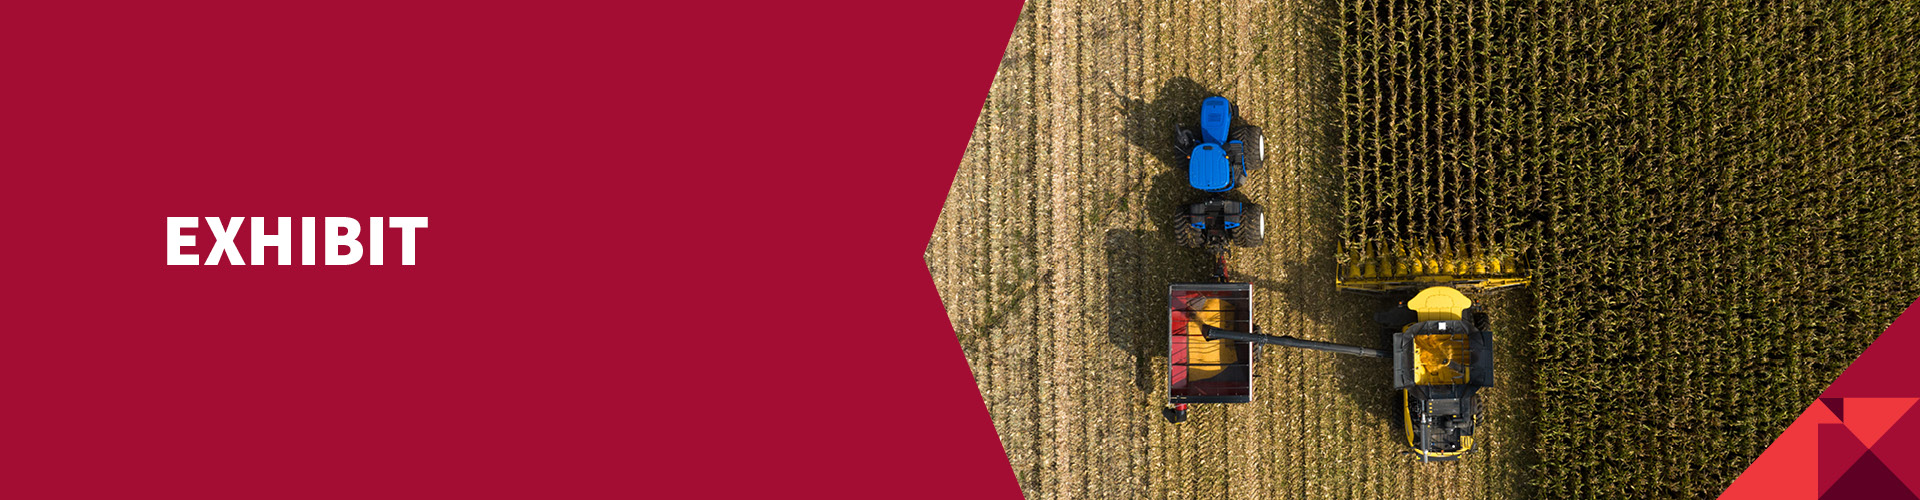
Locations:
{"points": [[1386, 267]]}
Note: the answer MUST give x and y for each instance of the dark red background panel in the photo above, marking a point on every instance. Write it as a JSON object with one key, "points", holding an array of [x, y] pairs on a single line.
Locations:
{"points": [[674, 251]]}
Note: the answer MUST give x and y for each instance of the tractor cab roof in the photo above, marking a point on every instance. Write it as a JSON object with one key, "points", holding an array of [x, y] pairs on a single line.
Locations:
{"points": [[1208, 169]]}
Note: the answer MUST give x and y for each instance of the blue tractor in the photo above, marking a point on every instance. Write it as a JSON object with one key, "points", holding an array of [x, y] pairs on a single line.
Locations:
{"points": [[1219, 155]]}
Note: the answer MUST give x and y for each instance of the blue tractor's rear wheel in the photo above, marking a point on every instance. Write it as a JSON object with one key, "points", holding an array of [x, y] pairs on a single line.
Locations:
{"points": [[1185, 234], [1253, 226]]}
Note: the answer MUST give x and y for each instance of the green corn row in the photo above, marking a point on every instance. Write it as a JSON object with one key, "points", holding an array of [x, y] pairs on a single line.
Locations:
{"points": [[1718, 201], [1426, 105]]}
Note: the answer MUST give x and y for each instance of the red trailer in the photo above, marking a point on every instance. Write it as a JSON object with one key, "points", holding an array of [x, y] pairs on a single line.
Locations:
{"points": [[1203, 370]]}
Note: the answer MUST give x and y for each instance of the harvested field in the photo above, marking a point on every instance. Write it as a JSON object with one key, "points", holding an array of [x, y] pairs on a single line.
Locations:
{"points": [[1718, 201]]}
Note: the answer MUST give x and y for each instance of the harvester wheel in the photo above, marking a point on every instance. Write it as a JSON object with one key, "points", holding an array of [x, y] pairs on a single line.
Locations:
{"points": [[1253, 226], [1256, 145], [1482, 321]]}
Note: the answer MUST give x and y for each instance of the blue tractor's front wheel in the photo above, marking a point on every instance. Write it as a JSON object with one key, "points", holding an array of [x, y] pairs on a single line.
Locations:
{"points": [[1254, 150]]}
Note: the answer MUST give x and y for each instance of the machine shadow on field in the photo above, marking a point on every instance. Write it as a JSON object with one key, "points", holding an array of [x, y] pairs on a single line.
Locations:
{"points": [[1513, 400], [1140, 266], [1367, 381], [1305, 285], [1348, 317]]}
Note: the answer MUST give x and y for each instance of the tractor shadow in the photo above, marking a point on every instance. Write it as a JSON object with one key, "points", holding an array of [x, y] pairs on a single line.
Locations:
{"points": [[1141, 264]]}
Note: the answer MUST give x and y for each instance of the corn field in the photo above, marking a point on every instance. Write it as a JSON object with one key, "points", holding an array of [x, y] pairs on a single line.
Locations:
{"points": [[1718, 200]]}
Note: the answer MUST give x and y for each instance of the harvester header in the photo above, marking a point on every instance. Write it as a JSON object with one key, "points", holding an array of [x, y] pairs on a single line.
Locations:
{"points": [[1383, 268]]}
